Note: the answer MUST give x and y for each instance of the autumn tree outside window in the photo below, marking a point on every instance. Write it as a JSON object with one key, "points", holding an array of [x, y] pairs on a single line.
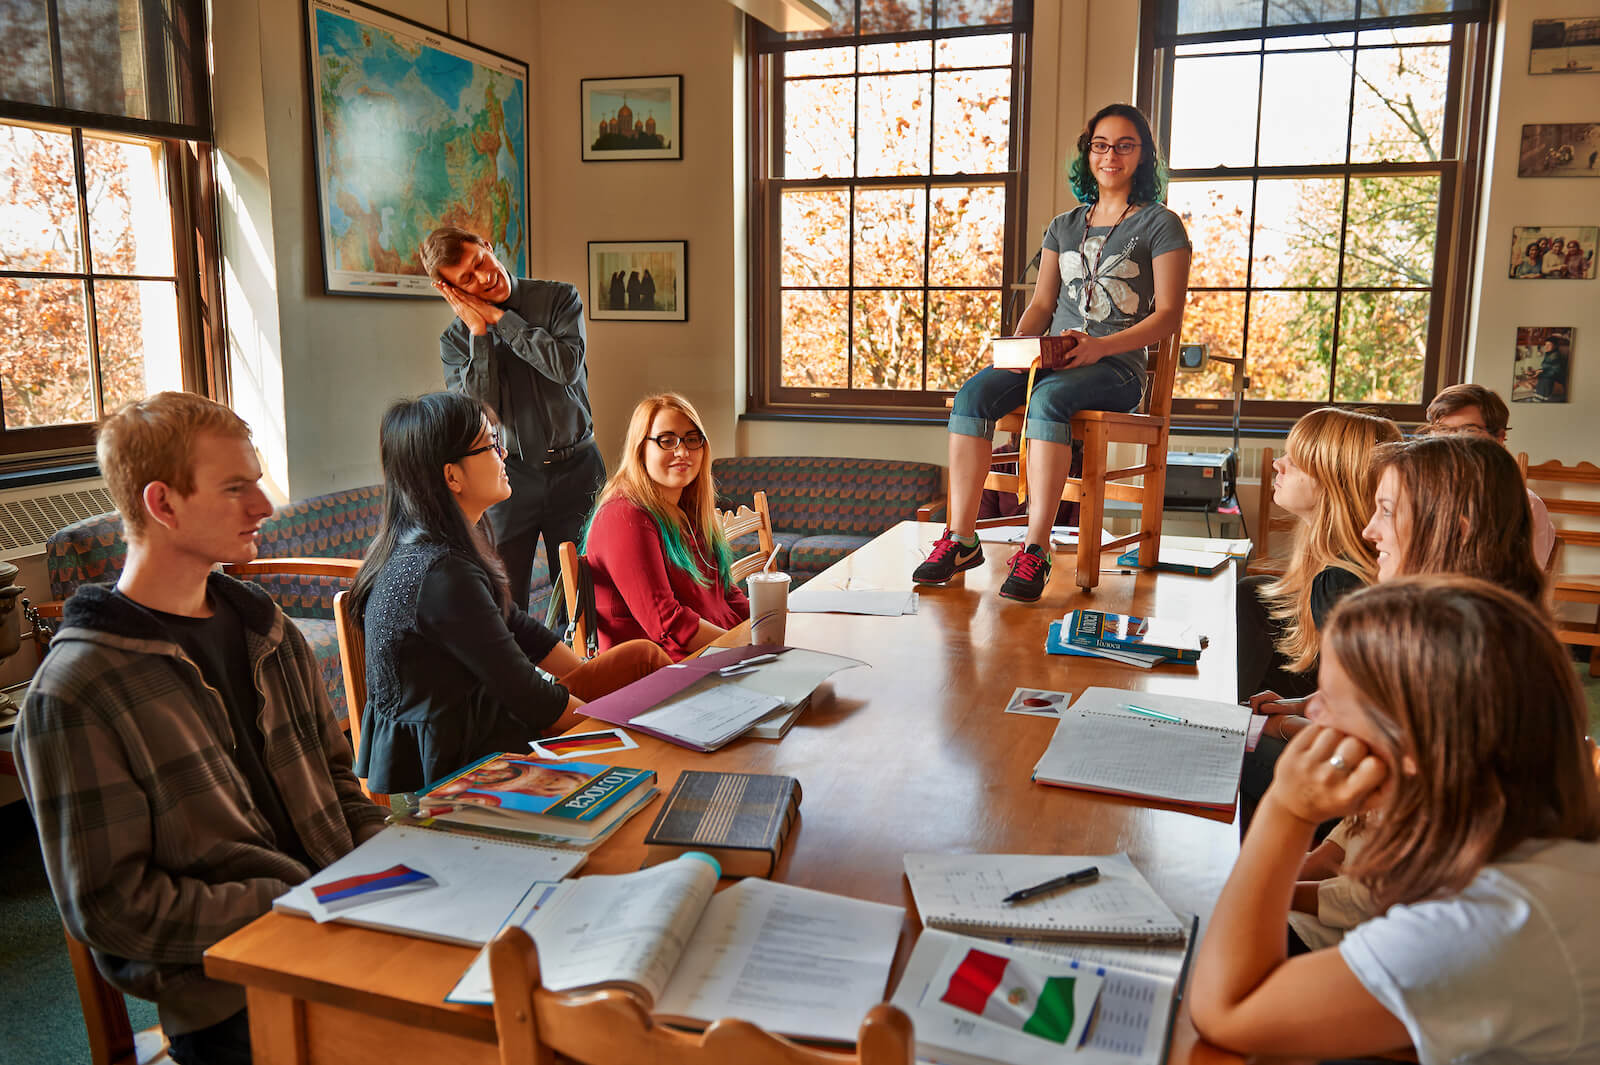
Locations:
{"points": [[886, 202], [108, 264], [1323, 156]]}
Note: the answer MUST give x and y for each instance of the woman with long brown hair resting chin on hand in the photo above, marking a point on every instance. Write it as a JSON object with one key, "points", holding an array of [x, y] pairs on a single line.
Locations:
{"points": [[1448, 710]]}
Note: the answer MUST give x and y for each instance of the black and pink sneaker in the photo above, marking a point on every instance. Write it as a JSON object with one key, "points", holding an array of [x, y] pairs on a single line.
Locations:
{"points": [[1030, 572], [948, 558]]}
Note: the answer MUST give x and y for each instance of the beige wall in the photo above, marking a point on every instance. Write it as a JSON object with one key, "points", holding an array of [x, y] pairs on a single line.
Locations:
{"points": [[1544, 430], [313, 373]]}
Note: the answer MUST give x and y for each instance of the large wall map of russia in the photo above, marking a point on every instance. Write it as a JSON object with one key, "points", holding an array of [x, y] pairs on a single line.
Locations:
{"points": [[413, 137]]}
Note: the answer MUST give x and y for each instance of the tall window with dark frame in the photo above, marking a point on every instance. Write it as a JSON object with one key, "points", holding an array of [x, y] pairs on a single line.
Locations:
{"points": [[887, 193], [107, 271], [1320, 155]]}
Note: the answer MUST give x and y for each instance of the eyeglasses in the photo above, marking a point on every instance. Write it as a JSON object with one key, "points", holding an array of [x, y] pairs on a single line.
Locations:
{"points": [[1467, 429], [494, 445], [1121, 147], [694, 440]]}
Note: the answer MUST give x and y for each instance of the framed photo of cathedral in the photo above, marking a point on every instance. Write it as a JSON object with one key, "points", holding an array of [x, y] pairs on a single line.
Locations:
{"points": [[631, 118]]}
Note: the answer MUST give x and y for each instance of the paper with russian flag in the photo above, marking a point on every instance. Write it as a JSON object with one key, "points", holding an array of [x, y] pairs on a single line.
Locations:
{"points": [[337, 896], [1009, 992]]}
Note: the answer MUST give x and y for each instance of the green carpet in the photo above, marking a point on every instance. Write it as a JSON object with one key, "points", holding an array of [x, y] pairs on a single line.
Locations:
{"points": [[42, 1024]]}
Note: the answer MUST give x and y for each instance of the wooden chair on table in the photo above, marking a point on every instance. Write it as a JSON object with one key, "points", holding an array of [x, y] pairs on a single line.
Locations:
{"points": [[1098, 430], [535, 1025], [742, 522], [112, 1040], [1566, 585], [353, 659], [1267, 523]]}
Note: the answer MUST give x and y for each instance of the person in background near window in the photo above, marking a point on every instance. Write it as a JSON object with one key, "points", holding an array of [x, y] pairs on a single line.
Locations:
{"points": [[177, 747], [1450, 716], [451, 659], [1112, 275], [1480, 411], [518, 345], [655, 546], [1324, 478]]}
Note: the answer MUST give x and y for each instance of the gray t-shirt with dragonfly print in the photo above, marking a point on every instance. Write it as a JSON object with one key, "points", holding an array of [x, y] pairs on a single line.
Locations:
{"points": [[1107, 289]]}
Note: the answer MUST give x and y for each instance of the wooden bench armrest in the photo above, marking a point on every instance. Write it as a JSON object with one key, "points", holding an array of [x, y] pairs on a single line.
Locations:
{"points": [[930, 510], [306, 567]]}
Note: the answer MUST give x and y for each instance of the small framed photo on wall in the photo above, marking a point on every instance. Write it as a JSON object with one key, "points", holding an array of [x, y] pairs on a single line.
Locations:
{"points": [[1564, 46], [1553, 252], [1570, 149], [631, 118], [1543, 365], [639, 281]]}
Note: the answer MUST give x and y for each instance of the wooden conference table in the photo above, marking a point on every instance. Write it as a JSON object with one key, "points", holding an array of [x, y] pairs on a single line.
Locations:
{"points": [[911, 754]]}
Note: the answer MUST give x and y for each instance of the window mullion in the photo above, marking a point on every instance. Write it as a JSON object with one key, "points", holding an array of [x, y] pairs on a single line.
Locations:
{"points": [[91, 319]]}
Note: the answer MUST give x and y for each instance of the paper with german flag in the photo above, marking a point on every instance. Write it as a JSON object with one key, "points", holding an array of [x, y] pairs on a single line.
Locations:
{"points": [[1008, 992]]}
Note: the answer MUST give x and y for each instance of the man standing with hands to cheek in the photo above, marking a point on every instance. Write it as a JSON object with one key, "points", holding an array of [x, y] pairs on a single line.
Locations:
{"points": [[518, 344]]}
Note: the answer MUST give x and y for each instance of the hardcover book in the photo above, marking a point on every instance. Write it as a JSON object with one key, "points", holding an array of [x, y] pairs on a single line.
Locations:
{"points": [[1126, 632], [741, 819], [1019, 353], [579, 800], [1176, 560]]}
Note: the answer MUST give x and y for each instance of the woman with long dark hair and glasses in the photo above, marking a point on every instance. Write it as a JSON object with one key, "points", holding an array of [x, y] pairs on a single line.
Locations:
{"points": [[654, 544], [1112, 275], [453, 666]]}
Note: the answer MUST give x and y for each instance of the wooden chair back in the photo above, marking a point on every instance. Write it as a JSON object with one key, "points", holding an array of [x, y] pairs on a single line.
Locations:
{"points": [[1577, 524], [353, 659], [112, 1040], [535, 1025], [742, 522], [1098, 430], [577, 587], [1268, 522]]}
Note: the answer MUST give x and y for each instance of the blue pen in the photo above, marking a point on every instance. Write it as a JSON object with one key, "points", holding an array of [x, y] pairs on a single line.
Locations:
{"points": [[1147, 712]]}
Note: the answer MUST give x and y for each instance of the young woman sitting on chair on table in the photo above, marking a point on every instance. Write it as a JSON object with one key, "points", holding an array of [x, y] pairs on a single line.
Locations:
{"points": [[450, 659], [1112, 275], [1448, 715], [656, 550]]}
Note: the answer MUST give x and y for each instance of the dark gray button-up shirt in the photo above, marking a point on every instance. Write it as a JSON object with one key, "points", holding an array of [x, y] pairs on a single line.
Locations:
{"points": [[529, 367]]}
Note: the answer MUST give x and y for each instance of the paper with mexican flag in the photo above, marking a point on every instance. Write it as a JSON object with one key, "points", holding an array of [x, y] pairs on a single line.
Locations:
{"points": [[1018, 995]]}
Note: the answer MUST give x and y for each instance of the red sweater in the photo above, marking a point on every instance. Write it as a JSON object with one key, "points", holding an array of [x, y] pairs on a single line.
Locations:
{"points": [[639, 596]]}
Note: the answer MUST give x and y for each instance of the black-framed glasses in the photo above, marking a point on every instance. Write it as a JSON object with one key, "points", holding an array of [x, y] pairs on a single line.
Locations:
{"points": [[694, 440], [494, 445], [1121, 147]]}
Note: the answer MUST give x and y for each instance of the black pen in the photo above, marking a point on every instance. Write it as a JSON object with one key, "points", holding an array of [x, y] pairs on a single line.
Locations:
{"points": [[1082, 876]]}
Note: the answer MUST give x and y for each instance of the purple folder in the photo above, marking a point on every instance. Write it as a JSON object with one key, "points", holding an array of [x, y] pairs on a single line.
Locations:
{"points": [[647, 693]]}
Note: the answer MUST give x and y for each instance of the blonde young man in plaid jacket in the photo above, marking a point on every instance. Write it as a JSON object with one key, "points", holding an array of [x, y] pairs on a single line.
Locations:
{"points": [[177, 747]]}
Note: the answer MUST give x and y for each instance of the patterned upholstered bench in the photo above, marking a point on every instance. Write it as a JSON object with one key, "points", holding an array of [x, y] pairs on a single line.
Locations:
{"points": [[337, 525], [825, 508]]}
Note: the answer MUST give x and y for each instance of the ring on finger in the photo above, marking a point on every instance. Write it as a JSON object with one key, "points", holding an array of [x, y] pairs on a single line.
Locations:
{"points": [[1338, 762]]}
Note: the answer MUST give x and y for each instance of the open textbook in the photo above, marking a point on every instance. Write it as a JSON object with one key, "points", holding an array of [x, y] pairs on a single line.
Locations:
{"points": [[795, 961], [1129, 1019]]}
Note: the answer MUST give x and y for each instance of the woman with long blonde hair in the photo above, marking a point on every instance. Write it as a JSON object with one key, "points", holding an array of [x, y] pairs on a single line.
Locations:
{"points": [[1325, 479], [655, 547]]}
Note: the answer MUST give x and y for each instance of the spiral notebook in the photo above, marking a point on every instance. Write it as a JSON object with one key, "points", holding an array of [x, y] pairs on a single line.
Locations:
{"points": [[962, 893], [1148, 746]]}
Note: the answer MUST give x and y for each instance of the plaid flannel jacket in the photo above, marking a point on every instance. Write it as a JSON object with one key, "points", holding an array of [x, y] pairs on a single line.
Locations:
{"points": [[154, 848]]}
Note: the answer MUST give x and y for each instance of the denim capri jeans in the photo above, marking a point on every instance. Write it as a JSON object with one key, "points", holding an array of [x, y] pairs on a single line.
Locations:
{"points": [[991, 393]]}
